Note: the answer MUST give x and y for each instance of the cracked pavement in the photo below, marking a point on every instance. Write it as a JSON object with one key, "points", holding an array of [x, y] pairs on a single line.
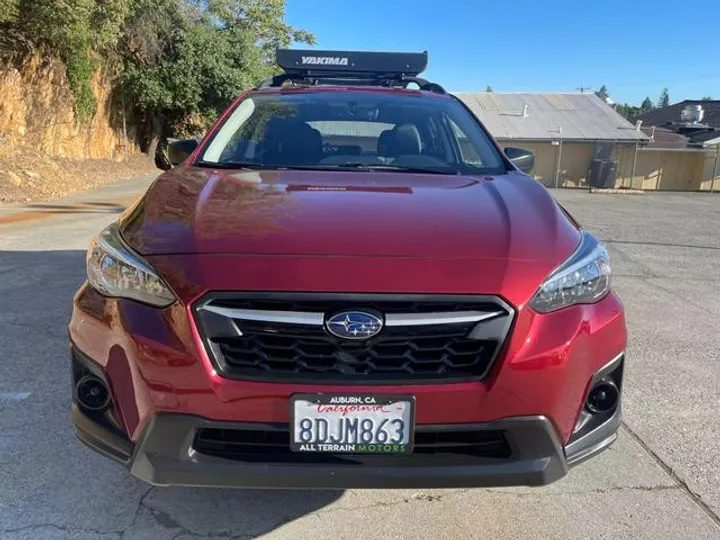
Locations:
{"points": [[661, 480]]}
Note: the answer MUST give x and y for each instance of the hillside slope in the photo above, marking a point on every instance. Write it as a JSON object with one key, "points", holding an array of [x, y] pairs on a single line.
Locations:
{"points": [[45, 152]]}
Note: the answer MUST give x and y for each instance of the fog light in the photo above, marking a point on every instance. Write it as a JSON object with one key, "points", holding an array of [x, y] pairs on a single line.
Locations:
{"points": [[603, 397], [92, 394]]}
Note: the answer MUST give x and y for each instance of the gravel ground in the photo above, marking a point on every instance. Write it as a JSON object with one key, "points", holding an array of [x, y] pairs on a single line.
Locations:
{"points": [[659, 481], [665, 251]]}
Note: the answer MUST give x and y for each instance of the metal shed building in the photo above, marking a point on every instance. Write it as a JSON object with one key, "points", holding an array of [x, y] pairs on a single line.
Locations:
{"points": [[566, 132]]}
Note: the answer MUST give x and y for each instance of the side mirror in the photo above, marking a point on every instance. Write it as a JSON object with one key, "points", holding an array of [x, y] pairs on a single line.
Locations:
{"points": [[523, 159], [178, 151]]}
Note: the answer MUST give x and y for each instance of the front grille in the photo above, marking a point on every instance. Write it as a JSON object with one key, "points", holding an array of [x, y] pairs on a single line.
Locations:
{"points": [[331, 303], [313, 351], [278, 350], [271, 444]]}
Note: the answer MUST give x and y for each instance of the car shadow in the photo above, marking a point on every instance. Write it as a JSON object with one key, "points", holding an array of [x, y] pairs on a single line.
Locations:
{"points": [[65, 484], [217, 512]]}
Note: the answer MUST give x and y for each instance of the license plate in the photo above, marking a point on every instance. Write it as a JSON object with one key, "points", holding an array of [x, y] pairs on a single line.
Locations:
{"points": [[352, 423]]}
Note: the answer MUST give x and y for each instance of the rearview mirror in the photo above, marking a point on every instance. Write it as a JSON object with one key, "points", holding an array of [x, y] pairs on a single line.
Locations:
{"points": [[179, 151], [520, 157]]}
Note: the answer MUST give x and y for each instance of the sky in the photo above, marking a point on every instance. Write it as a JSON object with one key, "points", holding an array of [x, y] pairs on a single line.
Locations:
{"points": [[634, 47]]}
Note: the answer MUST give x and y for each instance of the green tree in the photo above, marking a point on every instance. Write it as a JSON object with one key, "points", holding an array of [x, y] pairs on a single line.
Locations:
{"points": [[706, 98], [179, 62], [603, 93], [183, 67], [664, 99], [9, 11], [629, 112], [646, 105], [488, 88]]}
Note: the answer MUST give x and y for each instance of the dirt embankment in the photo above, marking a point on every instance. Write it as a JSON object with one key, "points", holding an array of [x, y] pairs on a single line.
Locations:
{"points": [[45, 152], [34, 176]]}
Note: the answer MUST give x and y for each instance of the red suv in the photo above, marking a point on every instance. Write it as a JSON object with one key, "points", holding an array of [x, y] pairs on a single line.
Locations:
{"points": [[347, 284]]}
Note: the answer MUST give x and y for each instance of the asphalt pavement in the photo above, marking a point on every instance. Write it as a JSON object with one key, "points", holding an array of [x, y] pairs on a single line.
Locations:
{"points": [[661, 480]]}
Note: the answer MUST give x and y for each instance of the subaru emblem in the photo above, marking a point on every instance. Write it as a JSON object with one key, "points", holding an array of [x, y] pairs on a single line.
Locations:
{"points": [[354, 325]]}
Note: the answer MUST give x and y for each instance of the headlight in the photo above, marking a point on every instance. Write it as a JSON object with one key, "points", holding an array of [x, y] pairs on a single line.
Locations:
{"points": [[583, 279], [113, 269]]}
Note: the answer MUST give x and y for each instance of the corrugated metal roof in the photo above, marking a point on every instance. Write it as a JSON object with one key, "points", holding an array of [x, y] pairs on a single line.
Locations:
{"points": [[581, 116]]}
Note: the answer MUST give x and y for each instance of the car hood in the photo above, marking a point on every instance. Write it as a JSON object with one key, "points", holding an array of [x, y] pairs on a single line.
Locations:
{"points": [[350, 214]]}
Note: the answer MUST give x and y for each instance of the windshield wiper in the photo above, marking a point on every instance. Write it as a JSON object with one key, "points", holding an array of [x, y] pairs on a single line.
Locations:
{"points": [[394, 168], [259, 166], [320, 167], [232, 165]]}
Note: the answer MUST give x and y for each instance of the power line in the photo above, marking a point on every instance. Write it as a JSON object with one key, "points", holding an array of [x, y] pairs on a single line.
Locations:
{"points": [[583, 88]]}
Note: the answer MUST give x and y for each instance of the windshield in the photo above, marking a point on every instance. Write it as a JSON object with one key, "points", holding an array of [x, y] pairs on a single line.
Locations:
{"points": [[353, 130]]}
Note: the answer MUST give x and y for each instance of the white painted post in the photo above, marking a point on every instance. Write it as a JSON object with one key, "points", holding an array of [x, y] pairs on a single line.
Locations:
{"points": [[559, 158], [715, 166]]}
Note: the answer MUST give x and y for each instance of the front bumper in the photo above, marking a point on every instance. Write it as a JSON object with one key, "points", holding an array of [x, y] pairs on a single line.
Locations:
{"points": [[164, 388], [164, 456]]}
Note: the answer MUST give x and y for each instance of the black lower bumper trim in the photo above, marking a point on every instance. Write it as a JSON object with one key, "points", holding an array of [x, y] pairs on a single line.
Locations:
{"points": [[594, 442], [101, 439], [164, 456], [601, 429], [165, 473]]}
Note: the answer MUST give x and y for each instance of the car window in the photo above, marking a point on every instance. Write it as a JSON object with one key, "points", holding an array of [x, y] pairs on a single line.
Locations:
{"points": [[467, 150], [352, 134], [353, 129]]}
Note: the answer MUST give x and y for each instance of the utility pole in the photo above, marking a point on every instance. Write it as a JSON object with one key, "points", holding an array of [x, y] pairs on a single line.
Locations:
{"points": [[559, 131], [582, 89], [634, 166], [715, 167]]}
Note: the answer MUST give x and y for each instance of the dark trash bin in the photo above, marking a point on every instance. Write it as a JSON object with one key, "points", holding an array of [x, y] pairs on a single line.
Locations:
{"points": [[602, 173]]}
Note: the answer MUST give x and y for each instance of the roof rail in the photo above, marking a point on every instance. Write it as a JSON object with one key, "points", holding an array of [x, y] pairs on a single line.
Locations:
{"points": [[351, 68]]}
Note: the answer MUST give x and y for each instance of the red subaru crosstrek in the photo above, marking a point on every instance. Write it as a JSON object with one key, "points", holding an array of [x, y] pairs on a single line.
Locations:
{"points": [[347, 283]]}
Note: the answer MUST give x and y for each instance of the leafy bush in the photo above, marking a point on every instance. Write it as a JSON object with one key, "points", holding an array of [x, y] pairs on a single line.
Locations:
{"points": [[9, 11]]}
